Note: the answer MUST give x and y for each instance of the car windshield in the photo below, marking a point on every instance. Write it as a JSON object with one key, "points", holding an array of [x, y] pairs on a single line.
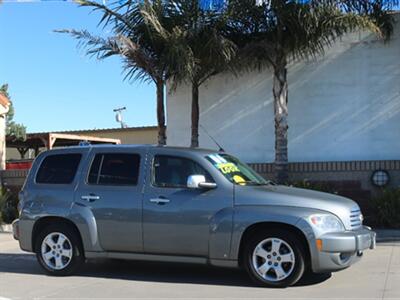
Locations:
{"points": [[236, 171]]}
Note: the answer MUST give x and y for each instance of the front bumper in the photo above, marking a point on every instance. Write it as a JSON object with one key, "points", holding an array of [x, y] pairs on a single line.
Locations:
{"points": [[349, 241], [341, 249]]}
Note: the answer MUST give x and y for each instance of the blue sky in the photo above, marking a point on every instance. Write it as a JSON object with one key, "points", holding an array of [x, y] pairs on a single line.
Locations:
{"points": [[53, 85]]}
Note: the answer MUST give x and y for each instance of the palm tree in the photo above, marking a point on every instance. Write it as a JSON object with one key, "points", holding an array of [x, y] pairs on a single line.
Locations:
{"points": [[143, 54], [196, 48], [276, 32]]}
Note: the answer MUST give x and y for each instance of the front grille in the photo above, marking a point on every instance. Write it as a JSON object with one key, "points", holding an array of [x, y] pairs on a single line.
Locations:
{"points": [[355, 218]]}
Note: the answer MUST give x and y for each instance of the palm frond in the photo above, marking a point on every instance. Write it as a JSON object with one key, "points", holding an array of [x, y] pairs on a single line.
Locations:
{"points": [[299, 30], [94, 45], [112, 16], [195, 47], [138, 63], [308, 34]]}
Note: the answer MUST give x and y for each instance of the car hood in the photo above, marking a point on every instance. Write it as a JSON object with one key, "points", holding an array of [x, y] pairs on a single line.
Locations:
{"points": [[278, 195]]}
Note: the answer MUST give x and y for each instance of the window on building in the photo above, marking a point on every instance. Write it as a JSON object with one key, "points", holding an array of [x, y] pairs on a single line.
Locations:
{"points": [[115, 169], [171, 171], [58, 169]]}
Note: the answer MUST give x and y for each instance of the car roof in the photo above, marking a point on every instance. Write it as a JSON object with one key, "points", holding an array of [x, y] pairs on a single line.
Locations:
{"points": [[135, 146]]}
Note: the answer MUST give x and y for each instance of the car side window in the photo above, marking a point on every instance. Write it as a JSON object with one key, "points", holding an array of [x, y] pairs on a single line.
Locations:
{"points": [[173, 172], [58, 169], [114, 169]]}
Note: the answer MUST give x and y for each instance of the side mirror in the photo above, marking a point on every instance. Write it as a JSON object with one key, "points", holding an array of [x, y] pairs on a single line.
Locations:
{"points": [[199, 182]]}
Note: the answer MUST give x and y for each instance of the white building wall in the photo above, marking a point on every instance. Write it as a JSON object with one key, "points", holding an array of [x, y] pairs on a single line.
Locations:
{"points": [[343, 106], [3, 112]]}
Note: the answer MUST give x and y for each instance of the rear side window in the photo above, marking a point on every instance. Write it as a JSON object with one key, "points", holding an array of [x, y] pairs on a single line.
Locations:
{"points": [[115, 169], [58, 169]]}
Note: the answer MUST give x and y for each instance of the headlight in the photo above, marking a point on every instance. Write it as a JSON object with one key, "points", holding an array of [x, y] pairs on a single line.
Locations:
{"points": [[326, 223]]}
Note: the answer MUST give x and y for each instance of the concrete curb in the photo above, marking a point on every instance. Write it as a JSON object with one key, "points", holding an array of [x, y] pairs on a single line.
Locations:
{"points": [[5, 228], [387, 235]]}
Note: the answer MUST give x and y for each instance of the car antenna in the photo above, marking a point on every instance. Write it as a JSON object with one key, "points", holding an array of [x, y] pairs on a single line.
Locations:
{"points": [[209, 135]]}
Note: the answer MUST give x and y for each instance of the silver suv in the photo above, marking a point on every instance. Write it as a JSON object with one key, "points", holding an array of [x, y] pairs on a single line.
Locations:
{"points": [[181, 205]]}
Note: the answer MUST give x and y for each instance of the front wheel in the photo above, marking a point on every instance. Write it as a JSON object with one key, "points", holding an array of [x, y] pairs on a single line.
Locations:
{"points": [[58, 250], [274, 258]]}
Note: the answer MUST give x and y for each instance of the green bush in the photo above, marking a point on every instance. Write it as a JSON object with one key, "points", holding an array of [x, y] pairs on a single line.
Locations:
{"points": [[315, 185], [386, 208], [8, 206], [3, 199]]}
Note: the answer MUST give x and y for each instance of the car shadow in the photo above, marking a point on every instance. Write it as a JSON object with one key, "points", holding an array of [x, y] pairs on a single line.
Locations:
{"points": [[146, 271]]}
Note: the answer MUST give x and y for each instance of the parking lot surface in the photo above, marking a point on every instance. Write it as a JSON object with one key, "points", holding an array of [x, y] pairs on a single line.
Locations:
{"points": [[377, 276]]}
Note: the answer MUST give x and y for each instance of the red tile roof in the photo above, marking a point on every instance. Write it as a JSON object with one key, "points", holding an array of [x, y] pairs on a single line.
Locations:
{"points": [[4, 100]]}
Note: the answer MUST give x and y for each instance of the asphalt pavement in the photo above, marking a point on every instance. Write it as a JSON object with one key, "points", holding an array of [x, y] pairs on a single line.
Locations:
{"points": [[376, 276]]}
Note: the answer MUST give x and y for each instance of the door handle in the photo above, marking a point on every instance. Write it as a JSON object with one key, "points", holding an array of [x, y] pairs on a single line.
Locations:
{"points": [[160, 201], [90, 198]]}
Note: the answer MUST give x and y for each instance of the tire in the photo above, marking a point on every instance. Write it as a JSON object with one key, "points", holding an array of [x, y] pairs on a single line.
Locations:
{"points": [[274, 258], [59, 250]]}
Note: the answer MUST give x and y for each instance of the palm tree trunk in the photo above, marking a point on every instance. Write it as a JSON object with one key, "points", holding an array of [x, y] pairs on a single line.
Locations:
{"points": [[162, 136], [280, 91], [195, 116]]}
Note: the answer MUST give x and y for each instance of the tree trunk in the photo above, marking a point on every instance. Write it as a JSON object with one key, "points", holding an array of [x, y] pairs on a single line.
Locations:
{"points": [[195, 116], [280, 90], [162, 136]]}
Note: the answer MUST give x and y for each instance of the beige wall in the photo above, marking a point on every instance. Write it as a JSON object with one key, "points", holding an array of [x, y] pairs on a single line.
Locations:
{"points": [[141, 135], [12, 153], [138, 135]]}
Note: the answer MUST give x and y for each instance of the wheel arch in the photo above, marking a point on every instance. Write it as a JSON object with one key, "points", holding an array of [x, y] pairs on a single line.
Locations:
{"points": [[260, 226], [43, 222]]}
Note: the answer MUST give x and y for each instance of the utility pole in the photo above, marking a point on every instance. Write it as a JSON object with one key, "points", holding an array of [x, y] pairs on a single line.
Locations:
{"points": [[118, 116]]}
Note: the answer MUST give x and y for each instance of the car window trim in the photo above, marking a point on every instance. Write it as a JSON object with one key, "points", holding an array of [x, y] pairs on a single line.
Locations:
{"points": [[101, 164], [99, 170]]}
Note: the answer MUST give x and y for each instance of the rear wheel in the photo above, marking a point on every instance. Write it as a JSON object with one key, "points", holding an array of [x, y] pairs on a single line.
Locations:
{"points": [[274, 258], [58, 250]]}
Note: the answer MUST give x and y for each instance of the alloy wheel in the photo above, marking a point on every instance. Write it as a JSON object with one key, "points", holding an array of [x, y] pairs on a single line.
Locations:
{"points": [[273, 259], [56, 251]]}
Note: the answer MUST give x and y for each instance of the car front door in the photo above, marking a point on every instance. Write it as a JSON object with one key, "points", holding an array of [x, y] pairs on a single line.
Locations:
{"points": [[176, 219], [112, 190]]}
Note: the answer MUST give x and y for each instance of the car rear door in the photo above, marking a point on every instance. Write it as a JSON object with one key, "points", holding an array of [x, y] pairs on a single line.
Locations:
{"points": [[112, 189]]}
